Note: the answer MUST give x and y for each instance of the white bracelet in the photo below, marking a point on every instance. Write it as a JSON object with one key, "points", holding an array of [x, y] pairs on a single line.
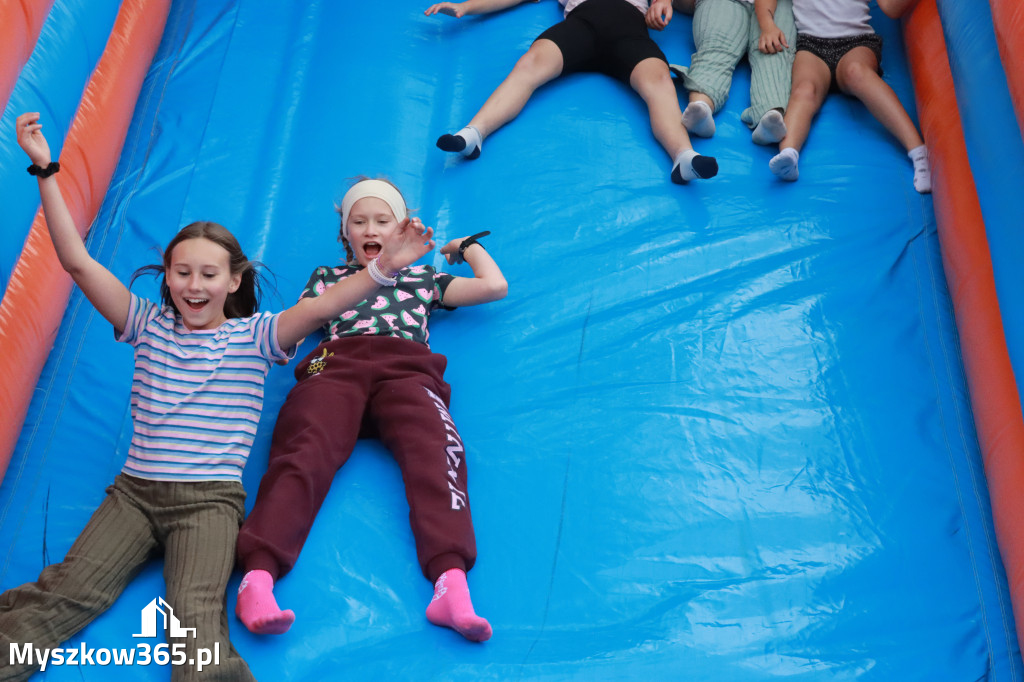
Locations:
{"points": [[378, 276]]}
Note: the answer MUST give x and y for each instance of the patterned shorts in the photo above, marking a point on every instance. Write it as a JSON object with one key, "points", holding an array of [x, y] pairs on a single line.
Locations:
{"points": [[831, 50]]}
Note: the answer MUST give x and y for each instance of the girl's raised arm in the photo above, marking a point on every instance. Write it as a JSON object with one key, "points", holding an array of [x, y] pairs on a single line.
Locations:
{"points": [[109, 296], [487, 283], [410, 242]]}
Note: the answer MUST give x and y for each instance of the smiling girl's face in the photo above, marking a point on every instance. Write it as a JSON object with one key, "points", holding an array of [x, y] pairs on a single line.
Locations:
{"points": [[199, 279]]}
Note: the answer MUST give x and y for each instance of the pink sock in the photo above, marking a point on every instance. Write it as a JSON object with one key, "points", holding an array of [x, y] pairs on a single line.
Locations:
{"points": [[452, 608], [257, 607]]}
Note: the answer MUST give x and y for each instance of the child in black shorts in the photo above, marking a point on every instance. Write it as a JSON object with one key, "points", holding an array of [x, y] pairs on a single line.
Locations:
{"points": [[606, 36]]}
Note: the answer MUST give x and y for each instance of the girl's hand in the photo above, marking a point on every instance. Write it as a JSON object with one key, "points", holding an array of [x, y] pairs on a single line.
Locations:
{"points": [[30, 138], [452, 9], [451, 251], [407, 244], [659, 14], [772, 40]]}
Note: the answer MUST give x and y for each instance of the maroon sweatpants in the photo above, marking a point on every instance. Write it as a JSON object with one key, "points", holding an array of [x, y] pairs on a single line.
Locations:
{"points": [[373, 386]]}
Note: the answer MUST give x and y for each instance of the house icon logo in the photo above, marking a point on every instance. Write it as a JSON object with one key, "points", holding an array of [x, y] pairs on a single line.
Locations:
{"points": [[151, 615]]}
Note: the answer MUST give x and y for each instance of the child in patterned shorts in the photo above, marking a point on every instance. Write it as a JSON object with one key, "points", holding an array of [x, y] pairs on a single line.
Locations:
{"points": [[373, 374], [838, 51]]}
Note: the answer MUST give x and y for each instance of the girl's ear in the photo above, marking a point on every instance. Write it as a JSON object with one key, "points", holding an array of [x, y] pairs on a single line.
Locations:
{"points": [[236, 280]]}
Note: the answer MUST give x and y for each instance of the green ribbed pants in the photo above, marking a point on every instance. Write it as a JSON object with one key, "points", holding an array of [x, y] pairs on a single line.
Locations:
{"points": [[195, 524], [725, 31]]}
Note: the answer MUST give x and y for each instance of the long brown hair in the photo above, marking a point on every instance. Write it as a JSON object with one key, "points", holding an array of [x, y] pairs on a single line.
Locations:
{"points": [[245, 300]]}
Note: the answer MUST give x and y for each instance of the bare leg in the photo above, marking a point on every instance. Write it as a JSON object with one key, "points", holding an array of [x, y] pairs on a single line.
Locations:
{"points": [[541, 63], [811, 79], [651, 80], [857, 75]]}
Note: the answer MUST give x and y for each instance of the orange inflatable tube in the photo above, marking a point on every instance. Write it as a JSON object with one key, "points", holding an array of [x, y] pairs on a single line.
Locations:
{"points": [[968, 265], [1008, 19], [20, 23], [37, 293]]}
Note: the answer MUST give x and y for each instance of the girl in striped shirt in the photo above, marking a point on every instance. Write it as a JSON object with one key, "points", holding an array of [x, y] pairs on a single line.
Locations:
{"points": [[201, 356]]}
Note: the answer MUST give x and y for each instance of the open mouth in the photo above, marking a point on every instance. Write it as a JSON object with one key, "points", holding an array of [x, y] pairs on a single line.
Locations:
{"points": [[372, 249], [196, 303]]}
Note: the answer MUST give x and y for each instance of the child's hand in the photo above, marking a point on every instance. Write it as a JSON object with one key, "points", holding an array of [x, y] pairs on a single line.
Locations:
{"points": [[407, 244], [31, 139], [452, 9], [451, 251], [659, 14], [772, 40]]}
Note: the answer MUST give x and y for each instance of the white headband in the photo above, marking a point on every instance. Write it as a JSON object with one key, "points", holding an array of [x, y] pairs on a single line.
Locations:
{"points": [[371, 188]]}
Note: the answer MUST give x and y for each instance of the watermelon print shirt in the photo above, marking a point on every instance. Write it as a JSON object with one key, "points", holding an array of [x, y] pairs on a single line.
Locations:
{"points": [[401, 311]]}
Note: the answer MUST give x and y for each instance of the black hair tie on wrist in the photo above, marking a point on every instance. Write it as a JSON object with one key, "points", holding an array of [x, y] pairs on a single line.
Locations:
{"points": [[469, 241], [41, 172]]}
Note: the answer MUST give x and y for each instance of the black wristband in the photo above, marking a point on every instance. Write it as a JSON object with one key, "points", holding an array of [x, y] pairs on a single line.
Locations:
{"points": [[41, 172], [469, 241]]}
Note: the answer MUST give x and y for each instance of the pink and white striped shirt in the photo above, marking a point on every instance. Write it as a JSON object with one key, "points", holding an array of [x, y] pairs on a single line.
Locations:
{"points": [[196, 394]]}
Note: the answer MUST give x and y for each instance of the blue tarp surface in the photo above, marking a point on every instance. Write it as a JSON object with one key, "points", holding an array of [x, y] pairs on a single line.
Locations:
{"points": [[715, 432]]}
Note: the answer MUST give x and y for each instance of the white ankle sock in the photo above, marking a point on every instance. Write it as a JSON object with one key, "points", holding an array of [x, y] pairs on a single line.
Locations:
{"points": [[690, 165], [786, 164], [770, 129], [922, 170], [467, 142], [698, 119]]}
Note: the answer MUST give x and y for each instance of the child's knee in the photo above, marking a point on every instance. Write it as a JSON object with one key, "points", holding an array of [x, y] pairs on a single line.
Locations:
{"points": [[855, 76], [652, 77], [806, 91], [538, 64]]}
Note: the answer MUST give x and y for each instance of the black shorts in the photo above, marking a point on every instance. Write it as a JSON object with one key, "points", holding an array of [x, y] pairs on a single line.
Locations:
{"points": [[831, 50], [607, 36]]}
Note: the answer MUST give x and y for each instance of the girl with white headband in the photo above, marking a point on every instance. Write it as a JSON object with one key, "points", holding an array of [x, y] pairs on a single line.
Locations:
{"points": [[373, 374]]}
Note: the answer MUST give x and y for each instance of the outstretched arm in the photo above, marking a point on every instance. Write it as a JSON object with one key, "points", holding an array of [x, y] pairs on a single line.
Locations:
{"points": [[487, 283], [460, 9], [410, 242], [772, 38], [895, 9], [109, 296]]}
